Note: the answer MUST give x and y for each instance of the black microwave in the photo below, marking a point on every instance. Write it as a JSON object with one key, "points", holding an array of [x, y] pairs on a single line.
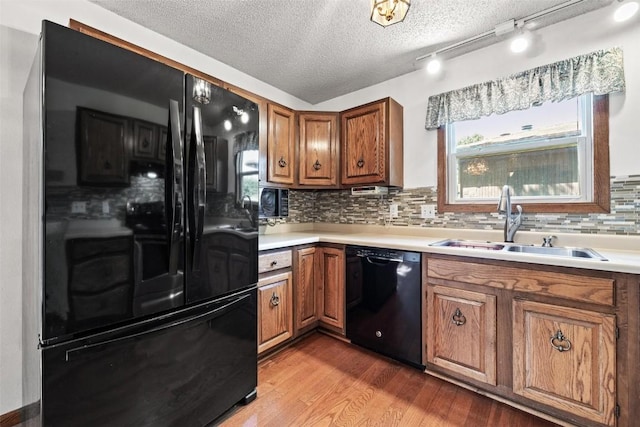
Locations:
{"points": [[274, 203]]}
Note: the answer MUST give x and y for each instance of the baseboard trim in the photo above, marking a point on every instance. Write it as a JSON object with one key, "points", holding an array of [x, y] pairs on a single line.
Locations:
{"points": [[19, 415]]}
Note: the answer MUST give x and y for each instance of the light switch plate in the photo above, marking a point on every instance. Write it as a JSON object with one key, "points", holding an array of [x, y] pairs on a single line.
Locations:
{"points": [[427, 211], [105, 207], [393, 211]]}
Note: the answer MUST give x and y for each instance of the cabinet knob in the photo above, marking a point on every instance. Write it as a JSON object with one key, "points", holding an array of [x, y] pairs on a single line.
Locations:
{"points": [[282, 162], [560, 342], [317, 165], [274, 263], [458, 318], [275, 299], [107, 165], [360, 163]]}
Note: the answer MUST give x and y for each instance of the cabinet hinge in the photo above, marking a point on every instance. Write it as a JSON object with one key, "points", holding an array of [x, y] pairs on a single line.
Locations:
{"points": [[617, 333], [616, 411]]}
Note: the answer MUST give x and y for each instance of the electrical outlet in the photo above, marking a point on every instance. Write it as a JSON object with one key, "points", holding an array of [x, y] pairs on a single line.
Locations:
{"points": [[393, 211], [79, 207], [427, 211]]}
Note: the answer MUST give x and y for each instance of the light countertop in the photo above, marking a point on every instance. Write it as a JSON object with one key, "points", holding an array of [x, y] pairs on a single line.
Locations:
{"points": [[619, 250]]}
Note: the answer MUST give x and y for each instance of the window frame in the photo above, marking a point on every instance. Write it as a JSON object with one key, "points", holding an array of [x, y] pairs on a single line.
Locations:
{"points": [[601, 193]]}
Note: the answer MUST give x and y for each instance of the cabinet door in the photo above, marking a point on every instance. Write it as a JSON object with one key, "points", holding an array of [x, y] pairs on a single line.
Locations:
{"points": [[103, 148], [363, 144], [275, 319], [145, 140], [461, 332], [331, 292], [280, 145], [318, 149], [306, 306], [565, 358], [215, 154]]}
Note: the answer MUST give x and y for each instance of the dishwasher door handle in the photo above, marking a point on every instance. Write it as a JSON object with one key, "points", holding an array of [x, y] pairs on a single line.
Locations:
{"points": [[381, 261]]}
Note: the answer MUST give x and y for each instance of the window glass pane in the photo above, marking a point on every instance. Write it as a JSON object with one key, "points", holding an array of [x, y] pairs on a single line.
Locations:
{"points": [[540, 173], [250, 186], [249, 161], [549, 120]]}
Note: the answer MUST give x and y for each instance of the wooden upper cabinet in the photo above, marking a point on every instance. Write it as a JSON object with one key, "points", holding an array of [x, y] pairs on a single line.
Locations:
{"points": [[318, 149], [371, 140], [145, 140], [565, 358], [103, 148], [281, 145]]}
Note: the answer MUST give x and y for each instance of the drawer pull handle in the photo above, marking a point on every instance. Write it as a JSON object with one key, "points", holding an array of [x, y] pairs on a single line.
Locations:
{"points": [[274, 263], [360, 163], [458, 318], [275, 300], [317, 165], [560, 342], [282, 162]]}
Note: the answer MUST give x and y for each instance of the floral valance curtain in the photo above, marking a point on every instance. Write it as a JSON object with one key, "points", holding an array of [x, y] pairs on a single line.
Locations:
{"points": [[245, 141], [598, 72]]}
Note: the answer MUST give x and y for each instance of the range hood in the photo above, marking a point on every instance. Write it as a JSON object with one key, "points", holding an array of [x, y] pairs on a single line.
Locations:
{"points": [[369, 190]]}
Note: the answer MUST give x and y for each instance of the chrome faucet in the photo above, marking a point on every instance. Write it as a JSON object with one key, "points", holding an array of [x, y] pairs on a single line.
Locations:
{"points": [[512, 222], [247, 211]]}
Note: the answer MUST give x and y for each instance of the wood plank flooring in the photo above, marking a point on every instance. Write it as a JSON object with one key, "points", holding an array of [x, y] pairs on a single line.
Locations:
{"points": [[321, 381]]}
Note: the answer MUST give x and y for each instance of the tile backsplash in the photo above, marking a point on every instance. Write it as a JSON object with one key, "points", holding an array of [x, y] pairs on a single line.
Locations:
{"points": [[339, 207]]}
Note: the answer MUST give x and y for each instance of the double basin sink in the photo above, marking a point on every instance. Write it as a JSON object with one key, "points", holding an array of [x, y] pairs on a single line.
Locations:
{"points": [[525, 249]]}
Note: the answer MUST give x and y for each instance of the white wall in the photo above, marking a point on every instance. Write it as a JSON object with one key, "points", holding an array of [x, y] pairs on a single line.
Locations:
{"points": [[20, 25], [580, 35]]}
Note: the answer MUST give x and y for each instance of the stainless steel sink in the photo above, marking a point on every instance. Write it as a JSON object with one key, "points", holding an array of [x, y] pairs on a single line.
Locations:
{"points": [[555, 251], [511, 247]]}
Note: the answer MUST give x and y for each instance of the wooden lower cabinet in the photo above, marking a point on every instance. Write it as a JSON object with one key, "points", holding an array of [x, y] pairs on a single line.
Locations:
{"points": [[553, 340], [275, 316], [461, 332], [332, 289], [306, 288], [319, 290], [565, 358]]}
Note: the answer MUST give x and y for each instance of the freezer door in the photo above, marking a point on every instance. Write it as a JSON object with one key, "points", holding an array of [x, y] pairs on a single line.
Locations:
{"points": [[185, 370], [113, 185]]}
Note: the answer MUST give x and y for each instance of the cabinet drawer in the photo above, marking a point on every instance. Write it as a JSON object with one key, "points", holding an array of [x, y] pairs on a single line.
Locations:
{"points": [[274, 261], [595, 290]]}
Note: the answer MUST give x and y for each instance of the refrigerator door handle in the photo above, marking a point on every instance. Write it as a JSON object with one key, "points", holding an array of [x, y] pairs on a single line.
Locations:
{"points": [[173, 188], [78, 352], [198, 187]]}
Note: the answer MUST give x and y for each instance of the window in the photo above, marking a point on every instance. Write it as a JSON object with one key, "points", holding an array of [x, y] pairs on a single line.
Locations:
{"points": [[247, 175], [554, 157]]}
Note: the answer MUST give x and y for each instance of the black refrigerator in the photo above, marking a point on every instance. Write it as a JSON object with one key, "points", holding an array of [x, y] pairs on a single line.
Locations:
{"points": [[141, 239]]}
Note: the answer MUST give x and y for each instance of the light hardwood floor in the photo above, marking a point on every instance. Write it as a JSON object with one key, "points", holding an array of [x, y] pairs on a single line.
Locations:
{"points": [[321, 381]]}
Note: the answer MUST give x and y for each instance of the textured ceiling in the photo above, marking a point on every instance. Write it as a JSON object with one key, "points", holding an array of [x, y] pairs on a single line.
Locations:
{"points": [[320, 49]]}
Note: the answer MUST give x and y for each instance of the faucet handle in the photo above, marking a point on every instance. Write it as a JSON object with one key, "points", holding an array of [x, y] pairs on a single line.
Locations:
{"points": [[546, 241]]}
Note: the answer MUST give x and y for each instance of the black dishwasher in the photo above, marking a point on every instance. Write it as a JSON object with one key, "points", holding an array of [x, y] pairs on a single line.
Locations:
{"points": [[383, 301]]}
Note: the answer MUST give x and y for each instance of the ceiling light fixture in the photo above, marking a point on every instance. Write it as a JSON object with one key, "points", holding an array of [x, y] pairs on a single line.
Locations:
{"points": [[521, 41], [434, 65], [389, 12], [201, 91], [501, 29], [625, 11]]}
